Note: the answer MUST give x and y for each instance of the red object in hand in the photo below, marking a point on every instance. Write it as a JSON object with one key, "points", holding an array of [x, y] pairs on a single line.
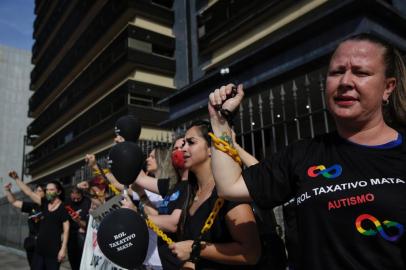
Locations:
{"points": [[178, 160], [71, 212]]}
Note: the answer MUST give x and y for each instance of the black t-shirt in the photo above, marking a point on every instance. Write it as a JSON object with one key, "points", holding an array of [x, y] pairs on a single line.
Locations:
{"points": [[51, 229], [351, 201], [171, 201], [218, 232], [82, 208], [34, 217]]}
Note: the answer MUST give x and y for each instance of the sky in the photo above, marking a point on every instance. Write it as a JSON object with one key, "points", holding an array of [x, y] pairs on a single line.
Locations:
{"points": [[16, 23]]}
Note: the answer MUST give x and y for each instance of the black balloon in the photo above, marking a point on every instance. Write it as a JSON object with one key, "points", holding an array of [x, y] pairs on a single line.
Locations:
{"points": [[123, 238], [128, 127], [126, 160]]}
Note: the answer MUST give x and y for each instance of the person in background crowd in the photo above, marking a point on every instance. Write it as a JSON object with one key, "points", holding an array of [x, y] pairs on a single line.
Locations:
{"points": [[151, 165], [159, 164], [50, 250], [33, 221], [78, 209], [349, 185], [98, 191]]}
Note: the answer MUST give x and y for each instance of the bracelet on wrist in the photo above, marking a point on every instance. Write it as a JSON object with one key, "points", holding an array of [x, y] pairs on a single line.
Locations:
{"points": [[141, 209], [196, 249]]}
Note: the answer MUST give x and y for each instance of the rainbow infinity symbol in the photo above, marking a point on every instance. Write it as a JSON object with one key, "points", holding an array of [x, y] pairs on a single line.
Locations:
{"points": [[379, 227], [331, 172]]}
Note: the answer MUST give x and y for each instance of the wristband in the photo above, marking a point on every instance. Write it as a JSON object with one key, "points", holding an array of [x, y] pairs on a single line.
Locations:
{"points": [[196, 249], [141, 209]]}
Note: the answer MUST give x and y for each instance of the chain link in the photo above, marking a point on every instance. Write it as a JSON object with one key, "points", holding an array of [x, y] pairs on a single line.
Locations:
{"points": [[225, 147], [158, 231], [114, 189], [97, 172], [206, 227], [213, 214]]}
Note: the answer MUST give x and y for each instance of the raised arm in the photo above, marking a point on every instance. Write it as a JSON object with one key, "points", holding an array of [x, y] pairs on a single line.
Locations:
{"points": [[229, 182], [10, 196], [91, 162], [24, 188], [244, 249], [142, 180]]}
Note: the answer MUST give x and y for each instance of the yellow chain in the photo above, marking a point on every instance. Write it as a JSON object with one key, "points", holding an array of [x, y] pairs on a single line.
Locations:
{"points": [[213, 214], [206, 227], [158, 231], [226, 148], [97, 172], [114, 189]]}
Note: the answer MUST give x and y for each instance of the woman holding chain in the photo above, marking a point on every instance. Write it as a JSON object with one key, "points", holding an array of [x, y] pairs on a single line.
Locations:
{"points": [[233, 238], [349, 185]]}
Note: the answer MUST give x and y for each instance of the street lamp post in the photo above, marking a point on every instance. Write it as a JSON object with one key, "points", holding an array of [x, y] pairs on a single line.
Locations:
{"points": [[23, 163]]}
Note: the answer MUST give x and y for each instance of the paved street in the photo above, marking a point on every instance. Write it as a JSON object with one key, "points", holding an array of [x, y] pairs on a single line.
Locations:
{"points": [[14, 259]]}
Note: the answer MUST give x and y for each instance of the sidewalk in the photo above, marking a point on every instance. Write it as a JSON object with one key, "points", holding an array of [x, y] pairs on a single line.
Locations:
{"points": [[14, 259]]}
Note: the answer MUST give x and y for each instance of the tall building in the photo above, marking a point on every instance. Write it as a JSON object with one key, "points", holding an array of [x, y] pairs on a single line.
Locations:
{"points": [[93, 62], [15, 67]]}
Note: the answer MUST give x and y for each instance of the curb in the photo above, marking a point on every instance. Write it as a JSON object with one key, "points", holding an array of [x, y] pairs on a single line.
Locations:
{"points": [[21, 253], [15, 251]]}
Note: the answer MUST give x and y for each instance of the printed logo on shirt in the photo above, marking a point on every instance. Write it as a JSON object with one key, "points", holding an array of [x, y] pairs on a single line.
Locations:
{"points": [[359, 222], [174, 196], [331, 172], [35, 216], [163, 207]]}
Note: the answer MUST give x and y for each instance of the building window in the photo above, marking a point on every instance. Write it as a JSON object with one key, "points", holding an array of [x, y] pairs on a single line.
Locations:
{"points": [[140, 100]]}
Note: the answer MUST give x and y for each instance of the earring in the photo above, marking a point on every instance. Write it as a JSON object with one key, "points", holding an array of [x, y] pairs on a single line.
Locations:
{"points": [[385, 102]]}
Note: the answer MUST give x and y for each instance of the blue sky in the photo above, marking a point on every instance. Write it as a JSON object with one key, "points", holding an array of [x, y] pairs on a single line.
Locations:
{"points": [[16, 23]]}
